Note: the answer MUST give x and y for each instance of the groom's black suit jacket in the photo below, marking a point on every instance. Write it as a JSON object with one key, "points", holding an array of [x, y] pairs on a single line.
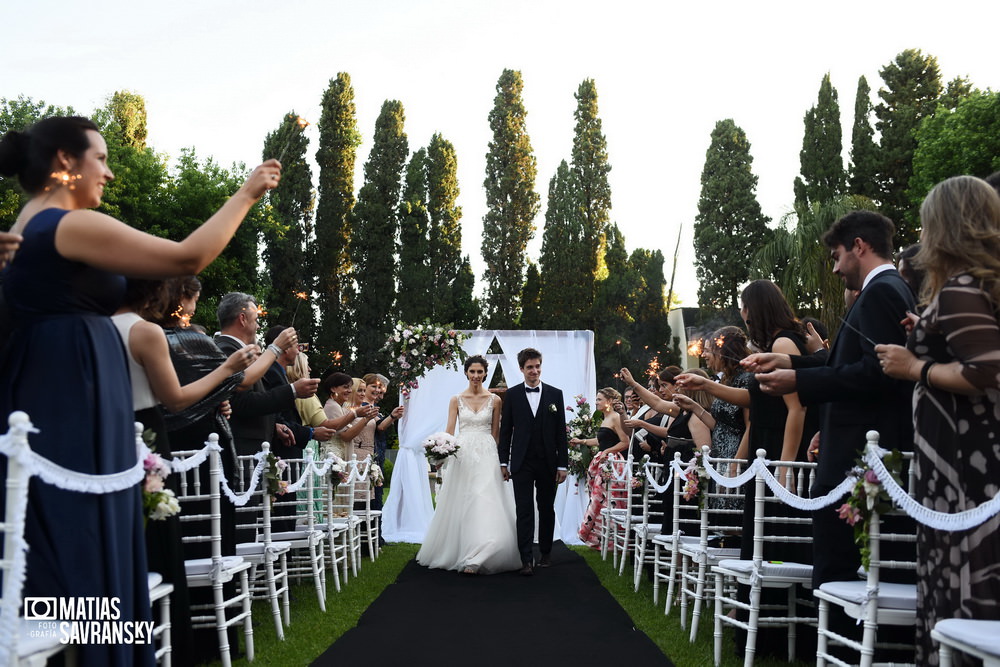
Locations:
{"points": [[515, 427]]}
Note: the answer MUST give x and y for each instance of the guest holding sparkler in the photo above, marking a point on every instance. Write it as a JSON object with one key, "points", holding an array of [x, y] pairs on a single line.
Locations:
{"points": [[62, 285], [952, 356], [852, 393]]}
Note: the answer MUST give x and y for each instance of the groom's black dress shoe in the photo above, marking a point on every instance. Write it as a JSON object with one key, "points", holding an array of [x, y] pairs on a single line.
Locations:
{"points": [[526, 570], [546, 561]]}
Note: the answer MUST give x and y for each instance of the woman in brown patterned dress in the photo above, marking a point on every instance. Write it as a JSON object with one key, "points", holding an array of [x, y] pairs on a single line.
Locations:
{"points": [[954, 355]]}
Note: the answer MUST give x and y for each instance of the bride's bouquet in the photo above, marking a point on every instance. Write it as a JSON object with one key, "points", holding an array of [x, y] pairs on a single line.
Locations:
{"points": [[439, 446]]}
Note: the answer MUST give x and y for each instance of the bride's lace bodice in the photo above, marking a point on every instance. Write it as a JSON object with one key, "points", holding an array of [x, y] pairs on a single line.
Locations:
{"points": [[470, 421]]}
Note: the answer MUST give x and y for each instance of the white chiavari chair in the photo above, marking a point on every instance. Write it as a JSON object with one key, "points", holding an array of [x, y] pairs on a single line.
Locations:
{"points": [[772, 524], [263, 552], [201, 518]]}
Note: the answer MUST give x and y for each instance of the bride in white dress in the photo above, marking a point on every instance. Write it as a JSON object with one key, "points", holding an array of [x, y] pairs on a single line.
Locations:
{"points": [[473, 527]]}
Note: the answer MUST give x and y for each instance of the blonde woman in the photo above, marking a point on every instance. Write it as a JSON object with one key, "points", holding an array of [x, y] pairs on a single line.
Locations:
{"points": [[611, 442], [952, 355]]}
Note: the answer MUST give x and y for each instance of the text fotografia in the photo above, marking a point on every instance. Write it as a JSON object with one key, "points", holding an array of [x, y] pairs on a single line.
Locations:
{"points": [[84, 620]]}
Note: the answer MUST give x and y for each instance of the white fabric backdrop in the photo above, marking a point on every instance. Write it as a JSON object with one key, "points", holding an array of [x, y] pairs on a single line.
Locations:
{"points": [[567, 363]]}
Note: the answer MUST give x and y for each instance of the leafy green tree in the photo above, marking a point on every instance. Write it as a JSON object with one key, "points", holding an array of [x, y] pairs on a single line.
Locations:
{"points": [[445, 232], [338, 146], [20, 114], [590, 164], [417, 286], [530, 313], [729, 219], [822, 167], [650, 334], [197, 190], [142, 179], [287, 259], [565, 298], [466, 306], [373, 240], [963, 141], [511, 202], [128, 110], [912, 87], [863, 178], [957, 89], [614, 305]]}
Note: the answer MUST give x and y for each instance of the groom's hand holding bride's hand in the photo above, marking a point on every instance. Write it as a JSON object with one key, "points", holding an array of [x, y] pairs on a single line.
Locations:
{"points": [[560, 476], [505, 473]]}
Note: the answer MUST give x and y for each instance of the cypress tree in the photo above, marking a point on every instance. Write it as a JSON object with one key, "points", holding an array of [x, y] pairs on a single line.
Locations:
{"points": [[445, 232], [911, 91], [729, 219], [129, 111], [373, 239], [416, 272], [511, 202], [285, 255], [822, 167], [864, 152], [565, 298], [650, 334], [590, 164], [338, 146], [467, 309], [614, 305], [530, 314]]}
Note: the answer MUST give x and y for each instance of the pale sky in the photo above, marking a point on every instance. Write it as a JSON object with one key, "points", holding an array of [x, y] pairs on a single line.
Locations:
{"points": [[219, 75]]}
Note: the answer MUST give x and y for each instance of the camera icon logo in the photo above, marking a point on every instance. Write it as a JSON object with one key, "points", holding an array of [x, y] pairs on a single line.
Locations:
{"points": [[40, 609]]}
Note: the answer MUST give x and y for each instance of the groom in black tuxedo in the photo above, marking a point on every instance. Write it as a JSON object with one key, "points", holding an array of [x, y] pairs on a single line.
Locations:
{"points": [[533, 452]]}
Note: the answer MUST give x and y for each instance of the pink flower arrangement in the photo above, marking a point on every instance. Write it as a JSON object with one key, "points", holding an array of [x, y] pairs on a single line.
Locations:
{"points": [[158, 502], [417, 348]]}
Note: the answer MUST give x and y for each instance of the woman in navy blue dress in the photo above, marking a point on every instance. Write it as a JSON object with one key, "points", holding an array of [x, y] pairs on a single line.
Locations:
{"points": [[61, 287]]}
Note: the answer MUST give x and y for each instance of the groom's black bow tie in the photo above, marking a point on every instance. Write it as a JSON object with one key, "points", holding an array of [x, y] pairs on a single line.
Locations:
{"points": [[533, 389]]}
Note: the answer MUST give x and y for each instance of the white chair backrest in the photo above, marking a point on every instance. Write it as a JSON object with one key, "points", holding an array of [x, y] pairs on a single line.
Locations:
{"points": [[14, 547], [200, 516], [781, 523]]}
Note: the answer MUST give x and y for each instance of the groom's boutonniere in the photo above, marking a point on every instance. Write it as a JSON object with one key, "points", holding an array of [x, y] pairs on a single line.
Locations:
{"points": [[553, 407]]}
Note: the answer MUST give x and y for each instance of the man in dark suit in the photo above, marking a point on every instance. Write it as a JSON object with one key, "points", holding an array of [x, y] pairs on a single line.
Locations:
{"points": [[853, 394], [255, 410], [533, 453]]}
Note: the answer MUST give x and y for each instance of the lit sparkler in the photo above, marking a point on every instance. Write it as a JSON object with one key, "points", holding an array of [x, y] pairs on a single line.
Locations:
{"points": [[695, 347], [299, 125], [301, 296], [184, 319]]}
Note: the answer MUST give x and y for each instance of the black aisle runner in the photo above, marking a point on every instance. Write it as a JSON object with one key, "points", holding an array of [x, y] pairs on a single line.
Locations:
{"points": [[562, 615]]}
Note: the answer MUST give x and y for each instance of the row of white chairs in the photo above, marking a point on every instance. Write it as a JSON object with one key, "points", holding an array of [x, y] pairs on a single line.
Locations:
{"points": [[697, 568], [323, 526]]}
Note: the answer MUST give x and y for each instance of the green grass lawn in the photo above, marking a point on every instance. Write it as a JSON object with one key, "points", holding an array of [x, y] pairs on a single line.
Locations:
{"points": [[312, 631], [664, 630]]}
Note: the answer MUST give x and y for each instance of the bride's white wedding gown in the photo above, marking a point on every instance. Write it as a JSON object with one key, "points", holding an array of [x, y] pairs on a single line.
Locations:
{"points": [[473, 525]]}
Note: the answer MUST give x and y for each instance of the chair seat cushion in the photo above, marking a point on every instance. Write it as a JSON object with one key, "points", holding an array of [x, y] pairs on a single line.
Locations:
{"points": [[248, 549], [669, 539], [296, 535], [981, 635], [890, 596], [646, 529], [204, 565], [714, 553], [154, 579], [784, 570]]}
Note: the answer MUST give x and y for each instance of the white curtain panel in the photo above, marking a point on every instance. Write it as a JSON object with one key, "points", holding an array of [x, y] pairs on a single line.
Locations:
{"points": [[567, 363]]}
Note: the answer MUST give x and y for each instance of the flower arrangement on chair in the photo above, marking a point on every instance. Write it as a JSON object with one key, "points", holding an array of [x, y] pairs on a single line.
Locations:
{"points": [[694, 478], [272, 476], [158, 502], [869, 496], [414, 349]]}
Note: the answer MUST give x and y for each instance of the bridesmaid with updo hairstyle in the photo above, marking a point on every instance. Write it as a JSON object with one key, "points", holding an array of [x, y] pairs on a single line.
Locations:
{"points": [[61, 286]]}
